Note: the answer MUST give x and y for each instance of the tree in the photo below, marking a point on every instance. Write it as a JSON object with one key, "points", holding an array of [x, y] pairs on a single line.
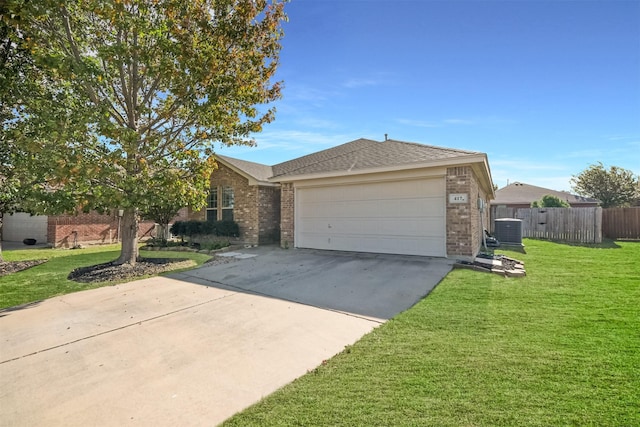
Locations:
{"points": [[140, 91], [24, 176], [613, 187], [550, 201], [162, 213]]}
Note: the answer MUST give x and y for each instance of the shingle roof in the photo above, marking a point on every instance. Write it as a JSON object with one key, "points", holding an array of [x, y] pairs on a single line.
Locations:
{"points": [[366, 154], [360, 154], [257, 170], [520, 193]]}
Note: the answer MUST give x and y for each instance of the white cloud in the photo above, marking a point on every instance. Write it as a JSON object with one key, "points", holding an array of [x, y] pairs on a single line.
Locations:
{"points": [[278, 146], [316, 123], [306, 94], [542, 174], [456, 121], [418, 123], [459, 122], [360, 82], [619, 137]]}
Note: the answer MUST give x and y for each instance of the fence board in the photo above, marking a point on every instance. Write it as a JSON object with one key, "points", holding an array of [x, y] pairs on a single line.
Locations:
{"points": [[621, 223], [576, 225]]}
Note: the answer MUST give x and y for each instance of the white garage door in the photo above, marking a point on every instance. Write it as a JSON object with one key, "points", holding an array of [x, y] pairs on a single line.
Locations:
{"points": [[397, 217], [20, 226]]}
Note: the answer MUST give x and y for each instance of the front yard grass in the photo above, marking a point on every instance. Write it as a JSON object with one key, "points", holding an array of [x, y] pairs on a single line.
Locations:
{"points": [[558, 347], [50, 279]]}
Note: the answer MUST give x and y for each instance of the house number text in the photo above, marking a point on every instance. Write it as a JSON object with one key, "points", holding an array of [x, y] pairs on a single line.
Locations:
{"points": [[458, 198]]}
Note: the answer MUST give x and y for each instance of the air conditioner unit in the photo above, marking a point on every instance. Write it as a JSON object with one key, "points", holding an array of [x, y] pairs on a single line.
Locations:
{"points": [[508, 231]]}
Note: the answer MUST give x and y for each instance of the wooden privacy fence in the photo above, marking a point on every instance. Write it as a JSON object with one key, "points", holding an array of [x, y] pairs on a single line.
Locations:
{"points": [[621, 223], [575, 225]]}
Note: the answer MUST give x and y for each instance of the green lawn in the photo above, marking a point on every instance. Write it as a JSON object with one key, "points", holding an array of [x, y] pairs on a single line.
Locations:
{"points": [[559, 347], [50, 279]]}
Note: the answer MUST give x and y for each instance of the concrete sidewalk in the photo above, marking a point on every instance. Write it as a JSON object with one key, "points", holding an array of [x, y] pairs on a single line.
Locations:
{"points": [[165, 351], [158, 352]]}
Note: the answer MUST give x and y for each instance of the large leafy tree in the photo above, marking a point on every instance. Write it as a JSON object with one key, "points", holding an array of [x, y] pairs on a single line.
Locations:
{"points": [[613, 187], [139, 91]]}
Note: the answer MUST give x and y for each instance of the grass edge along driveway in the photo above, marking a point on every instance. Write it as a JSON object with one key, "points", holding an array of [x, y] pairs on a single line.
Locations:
{"points": [[559, 347], [50, 279]]}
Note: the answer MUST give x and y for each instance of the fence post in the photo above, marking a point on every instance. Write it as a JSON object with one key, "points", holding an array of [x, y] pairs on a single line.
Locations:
{"points": [[597, 229]]}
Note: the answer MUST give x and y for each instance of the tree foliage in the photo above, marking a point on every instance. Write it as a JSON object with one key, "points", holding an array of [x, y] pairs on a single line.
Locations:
{"points": [[162, 212], [613, 187], [24, 175], [550, 201], [138, 92]]}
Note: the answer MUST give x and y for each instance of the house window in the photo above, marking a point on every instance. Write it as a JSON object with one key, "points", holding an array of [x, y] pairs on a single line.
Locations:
{"points": [[212, 205], [227, 204]]}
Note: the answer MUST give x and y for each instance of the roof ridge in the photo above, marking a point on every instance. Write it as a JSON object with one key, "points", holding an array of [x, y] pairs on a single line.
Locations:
{"points": [[303, 165], [455, 150]]}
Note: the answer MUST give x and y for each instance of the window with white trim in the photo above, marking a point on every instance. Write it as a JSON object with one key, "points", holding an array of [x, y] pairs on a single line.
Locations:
{"points": [[220, 211], [227, 204], [212, 205]]}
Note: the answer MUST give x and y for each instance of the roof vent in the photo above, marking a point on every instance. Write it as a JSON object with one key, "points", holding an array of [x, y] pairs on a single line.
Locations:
{"points": [[386, 137]]}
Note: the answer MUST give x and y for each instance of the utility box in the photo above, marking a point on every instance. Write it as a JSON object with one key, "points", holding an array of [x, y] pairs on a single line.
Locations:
{"points": [[508, 231]]}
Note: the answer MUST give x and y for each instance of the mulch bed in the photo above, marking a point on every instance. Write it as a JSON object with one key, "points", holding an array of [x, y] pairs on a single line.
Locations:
{"points": [[9, 267], [145, 266], [109, 272]]}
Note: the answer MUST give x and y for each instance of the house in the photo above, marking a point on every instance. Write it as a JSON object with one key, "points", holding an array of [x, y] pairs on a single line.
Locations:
{"points": [[521, 195], [383, 197], [66, 231]]}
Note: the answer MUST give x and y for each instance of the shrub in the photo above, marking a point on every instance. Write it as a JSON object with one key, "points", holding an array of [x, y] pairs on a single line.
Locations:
{"points": [[199, 228]]}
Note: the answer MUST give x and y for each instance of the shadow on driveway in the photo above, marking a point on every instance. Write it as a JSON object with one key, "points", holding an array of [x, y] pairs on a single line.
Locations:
{"points": [[375, 286]]}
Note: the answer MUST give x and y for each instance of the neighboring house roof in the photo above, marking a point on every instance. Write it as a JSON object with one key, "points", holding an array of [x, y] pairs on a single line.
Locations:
{"points": [[360, 156], [364, 154], [519, 193]]}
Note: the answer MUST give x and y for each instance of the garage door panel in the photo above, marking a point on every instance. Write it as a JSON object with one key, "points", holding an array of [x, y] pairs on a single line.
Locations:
{"points": [[372, 227], [404, 208], [400, 217], [20, 226], [423, 246], [377, 191]]}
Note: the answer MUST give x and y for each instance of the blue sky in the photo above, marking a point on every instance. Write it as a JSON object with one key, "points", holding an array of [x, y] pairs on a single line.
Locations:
{"points": [[545, 88]]}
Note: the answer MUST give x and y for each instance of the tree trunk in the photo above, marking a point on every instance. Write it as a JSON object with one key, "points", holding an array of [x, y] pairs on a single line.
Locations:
{"points": [[129, 230]]}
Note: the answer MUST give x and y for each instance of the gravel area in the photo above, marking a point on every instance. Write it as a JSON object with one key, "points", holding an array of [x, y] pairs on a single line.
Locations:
{"points": [[8, 267]]}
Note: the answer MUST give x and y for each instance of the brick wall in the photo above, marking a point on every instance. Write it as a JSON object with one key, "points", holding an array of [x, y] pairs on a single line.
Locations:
{"points": [[256, 208], [88, 228], [464, 229], [269, 214], [287, 203], [245, 211]]}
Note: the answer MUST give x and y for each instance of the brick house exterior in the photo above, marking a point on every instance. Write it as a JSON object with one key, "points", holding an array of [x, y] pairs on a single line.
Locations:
{"points": [[266, 198], [256, 202], [65, 231], [465, 221], [286, 215], [68, 230]]}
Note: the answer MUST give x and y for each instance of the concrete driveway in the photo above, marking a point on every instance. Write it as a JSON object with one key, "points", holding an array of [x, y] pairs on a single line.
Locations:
{"points": [[196, 347]]}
